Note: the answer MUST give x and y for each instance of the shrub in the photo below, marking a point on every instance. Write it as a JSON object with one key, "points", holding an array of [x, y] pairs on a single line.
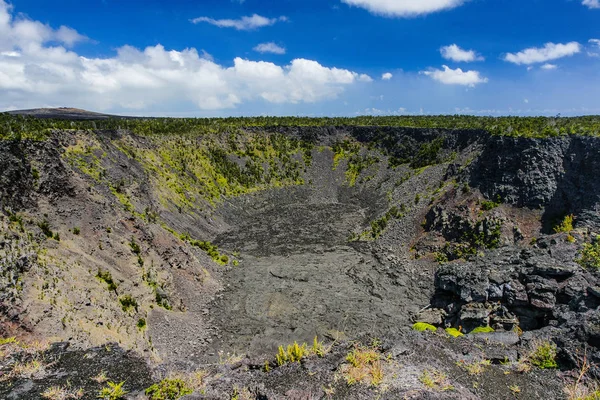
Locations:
{"points": [[141, 324], [135, 248], [483, 329], [106, 277], [488, 205], [168, 389], [76, 231], [423, 326], [45, 227], [128, 302], [454, 332], [293, 353], [317, 348], [364, 366], [566, 225], [544, 355], [114, 391], [590, 255]]}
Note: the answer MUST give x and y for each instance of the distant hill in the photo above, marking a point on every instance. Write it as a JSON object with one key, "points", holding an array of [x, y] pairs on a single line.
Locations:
{"points": [[63, 113]]}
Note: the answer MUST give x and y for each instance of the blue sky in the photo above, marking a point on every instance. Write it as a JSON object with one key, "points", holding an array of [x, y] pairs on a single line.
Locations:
{"points": [[293, 57]]}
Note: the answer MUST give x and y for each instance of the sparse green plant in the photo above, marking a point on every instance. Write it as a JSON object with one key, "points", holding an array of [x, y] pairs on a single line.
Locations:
{"points": [[169, 389], [26, 369], [475, 367], [45, 227], [141, 324], [566, 225], [488, 205], [76, 231], [515, 389], [364, 366], [56, 237], [293, 353], [423, 326], [317, 348], [113, 391], [483, 329], [590, 255], [100, 378], [543, 355], [128, 302], [61, 393], [454, 332], [9, 340], [135, 248], [441, 258], [436, 380], [106, 277]]}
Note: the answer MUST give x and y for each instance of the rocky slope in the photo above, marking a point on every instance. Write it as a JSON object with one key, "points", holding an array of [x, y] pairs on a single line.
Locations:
{"points": [[197, 256]]}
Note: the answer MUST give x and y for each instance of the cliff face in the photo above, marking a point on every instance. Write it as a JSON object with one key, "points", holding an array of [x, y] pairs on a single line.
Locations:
{"points": [[555, 174], [185, 248]]}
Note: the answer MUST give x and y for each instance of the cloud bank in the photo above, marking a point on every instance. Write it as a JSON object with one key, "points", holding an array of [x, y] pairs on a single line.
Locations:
{"points": [[404, 8], [36, 69]]}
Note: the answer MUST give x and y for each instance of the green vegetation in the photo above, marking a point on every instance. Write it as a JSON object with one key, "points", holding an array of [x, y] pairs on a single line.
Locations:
{"points": [[454, 332], [141, 324], [483, 329], [45, 227], [379, 225], [9, 340], [160, 295], [293, 353], [544, 356], [485, 234], [168, 389], [590, 255], [488, 205], [106, 277], [114, 391], [364, 366], [428, 154], [211, 250], [76, 231], [423, 326], [435, 380], [475, 367], [128, 302], [566, 225], [24, 127]]}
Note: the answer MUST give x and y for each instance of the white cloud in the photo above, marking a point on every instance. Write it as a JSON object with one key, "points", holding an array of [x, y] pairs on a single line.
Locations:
{"points": [[269, 48], [35, 73], [596, 48], [455, 53], [550, 51], [387, 76], [548, 66], [449, 76], [404, 8], [243, 24], [591, 3]]}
